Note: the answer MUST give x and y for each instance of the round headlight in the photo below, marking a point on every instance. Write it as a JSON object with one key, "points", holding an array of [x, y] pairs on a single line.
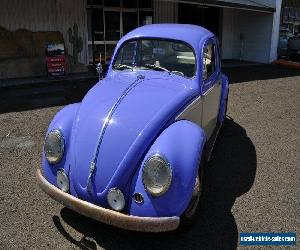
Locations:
{"points": [[54, 146], [115, 199], [157, 175]]}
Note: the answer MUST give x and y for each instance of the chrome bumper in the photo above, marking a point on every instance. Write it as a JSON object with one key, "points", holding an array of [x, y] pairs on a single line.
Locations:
{"points": [[136, 223]]}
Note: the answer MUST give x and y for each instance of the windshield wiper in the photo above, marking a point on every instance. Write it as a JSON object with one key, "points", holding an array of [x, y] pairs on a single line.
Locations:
{"points": [[122, 66], [156, 67]]}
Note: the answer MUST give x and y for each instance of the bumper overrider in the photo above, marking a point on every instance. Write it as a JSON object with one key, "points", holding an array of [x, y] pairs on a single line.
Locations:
{"points": [[107, 216]]}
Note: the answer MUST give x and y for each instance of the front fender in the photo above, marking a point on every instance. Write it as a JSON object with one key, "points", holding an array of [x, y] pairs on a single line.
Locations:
{"points": [[182, 144], [63, 120]]}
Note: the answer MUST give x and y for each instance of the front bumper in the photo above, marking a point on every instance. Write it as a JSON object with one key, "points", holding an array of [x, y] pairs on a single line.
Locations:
{"points": [[136, 223]]}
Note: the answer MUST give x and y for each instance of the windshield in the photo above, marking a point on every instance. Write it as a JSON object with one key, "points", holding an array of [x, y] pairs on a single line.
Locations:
{"points": [[153, 54]]}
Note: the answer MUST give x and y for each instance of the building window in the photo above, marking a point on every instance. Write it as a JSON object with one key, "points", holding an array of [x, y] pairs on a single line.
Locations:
{"points": [[109, 20], [129, 21], [112, 25], [145, 3], [145, 18], [95, 18], [94, 2], [129, 4], [112, 3]]}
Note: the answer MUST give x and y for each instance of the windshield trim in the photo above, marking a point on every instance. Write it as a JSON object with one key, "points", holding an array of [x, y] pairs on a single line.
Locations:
{"points": [[161, 39]]}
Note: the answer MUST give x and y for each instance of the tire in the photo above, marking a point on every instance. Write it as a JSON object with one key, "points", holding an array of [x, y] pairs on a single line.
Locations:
{"points": [[188, 216]]}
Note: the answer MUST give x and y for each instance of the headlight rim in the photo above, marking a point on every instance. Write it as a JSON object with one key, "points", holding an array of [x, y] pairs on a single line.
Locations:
{"points": [[170, 177], [58, 132]]}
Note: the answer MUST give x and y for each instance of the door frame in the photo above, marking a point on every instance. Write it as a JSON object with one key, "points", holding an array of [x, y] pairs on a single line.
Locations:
{"points": [[210, 90], [213, 78]]}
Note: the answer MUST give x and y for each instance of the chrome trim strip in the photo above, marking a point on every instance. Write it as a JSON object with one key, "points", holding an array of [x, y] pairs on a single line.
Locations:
{"points": [[93, 164], [212, 141]]}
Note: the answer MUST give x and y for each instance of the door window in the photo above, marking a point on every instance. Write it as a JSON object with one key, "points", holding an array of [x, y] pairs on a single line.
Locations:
{"points": [[209, 61]]}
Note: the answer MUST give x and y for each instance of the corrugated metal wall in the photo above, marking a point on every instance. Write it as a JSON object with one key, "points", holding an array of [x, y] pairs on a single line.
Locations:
{"points": [[46, 15], [70, 12], [165, 11]]}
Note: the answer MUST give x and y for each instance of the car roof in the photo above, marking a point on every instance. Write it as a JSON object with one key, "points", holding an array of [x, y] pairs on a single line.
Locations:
{"points": [[191, 34]]}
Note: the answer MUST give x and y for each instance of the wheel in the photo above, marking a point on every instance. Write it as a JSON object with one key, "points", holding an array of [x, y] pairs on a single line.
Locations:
{"points": [[189, 214], [192, 207]]}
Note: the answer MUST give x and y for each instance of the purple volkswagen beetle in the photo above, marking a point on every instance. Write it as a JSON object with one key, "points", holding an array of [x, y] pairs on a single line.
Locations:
{"points": [[132, 152]]}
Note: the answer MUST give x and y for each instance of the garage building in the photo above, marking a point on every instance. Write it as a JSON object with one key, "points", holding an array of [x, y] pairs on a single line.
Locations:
{"points": [[247, 29]]}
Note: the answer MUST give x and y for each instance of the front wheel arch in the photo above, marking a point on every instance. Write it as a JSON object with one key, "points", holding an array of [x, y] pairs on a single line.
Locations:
{"points": [[186, 219], [182, 144], [63, 121]]}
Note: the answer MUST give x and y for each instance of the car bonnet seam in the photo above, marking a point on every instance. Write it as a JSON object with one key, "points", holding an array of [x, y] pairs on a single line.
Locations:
{"points": [[104, 127]]}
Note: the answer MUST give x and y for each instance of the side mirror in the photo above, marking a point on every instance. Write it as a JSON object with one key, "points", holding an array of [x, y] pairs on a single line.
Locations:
{"points": [[99, 70], [99, 67]]}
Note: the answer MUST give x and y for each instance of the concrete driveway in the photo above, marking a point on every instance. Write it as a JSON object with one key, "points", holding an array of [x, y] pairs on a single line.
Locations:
{"points": [[252, 183]]}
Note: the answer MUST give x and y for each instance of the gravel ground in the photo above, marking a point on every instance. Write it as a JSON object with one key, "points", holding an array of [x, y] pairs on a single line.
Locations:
{"points": [[252, 183]]}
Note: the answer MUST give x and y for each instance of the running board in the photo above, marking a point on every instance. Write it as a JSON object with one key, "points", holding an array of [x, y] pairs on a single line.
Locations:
{"points": [[211, 142]]}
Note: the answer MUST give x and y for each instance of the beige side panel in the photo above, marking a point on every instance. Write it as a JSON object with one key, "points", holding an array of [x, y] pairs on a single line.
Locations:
{"points": [[204, 110], [211, 103], [193, 112]]}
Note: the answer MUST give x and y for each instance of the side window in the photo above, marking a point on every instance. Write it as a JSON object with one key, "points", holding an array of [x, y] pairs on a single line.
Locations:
{"points": [[209, 61]]}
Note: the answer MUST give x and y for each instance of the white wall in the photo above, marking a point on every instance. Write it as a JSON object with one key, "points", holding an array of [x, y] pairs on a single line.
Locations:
{"points": [[46, 15], [227, 33], [275, 31], [255, 27]]}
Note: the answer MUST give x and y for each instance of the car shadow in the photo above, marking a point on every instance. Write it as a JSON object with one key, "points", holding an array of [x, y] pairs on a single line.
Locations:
{"points": [[229, 174], [258, 72]]}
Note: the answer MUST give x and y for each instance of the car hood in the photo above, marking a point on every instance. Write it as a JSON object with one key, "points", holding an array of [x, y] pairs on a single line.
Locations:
{"points": [[118, 120]]}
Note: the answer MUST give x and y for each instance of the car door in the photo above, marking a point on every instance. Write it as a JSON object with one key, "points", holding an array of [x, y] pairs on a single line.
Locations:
{"points": [[211, 86]]}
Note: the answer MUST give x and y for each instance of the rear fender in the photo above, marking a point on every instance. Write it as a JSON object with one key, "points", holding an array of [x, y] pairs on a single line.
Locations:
{"points": [[181, 144], [224, 95]]}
